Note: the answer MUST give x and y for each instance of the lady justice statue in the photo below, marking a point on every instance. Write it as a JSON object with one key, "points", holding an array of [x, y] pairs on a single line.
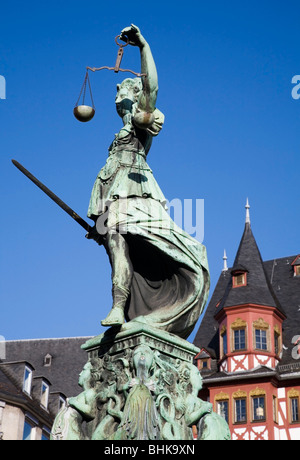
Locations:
{"points": [[139, 382], [159, 273]]}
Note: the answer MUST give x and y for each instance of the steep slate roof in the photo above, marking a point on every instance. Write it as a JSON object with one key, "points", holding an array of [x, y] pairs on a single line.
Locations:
{"points": [[67, 361], [258, 289], [287, 289], [269, 283]]}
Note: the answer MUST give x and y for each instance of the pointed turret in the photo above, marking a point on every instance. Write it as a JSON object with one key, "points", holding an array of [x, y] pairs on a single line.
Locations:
{"points": [[249, 283]]}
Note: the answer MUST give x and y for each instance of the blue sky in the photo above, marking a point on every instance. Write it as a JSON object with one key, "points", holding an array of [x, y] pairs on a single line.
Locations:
{"points": [[232, 131]]}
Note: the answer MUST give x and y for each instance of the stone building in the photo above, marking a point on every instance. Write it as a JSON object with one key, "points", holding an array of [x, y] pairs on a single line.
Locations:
{"points": [[250, 344], [36, 377]]}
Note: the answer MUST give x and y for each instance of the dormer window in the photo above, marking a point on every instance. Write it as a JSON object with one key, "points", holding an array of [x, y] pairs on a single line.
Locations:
{"points": [[47, 360], [239, 278], [44, 394], [27, 381], [296, 265], [297, 270], [203, 360]]}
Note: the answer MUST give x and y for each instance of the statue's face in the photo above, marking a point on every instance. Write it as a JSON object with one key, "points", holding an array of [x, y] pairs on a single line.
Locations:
{"points": [[143, 355], [196, 379], [85, 374], [124, 101]]}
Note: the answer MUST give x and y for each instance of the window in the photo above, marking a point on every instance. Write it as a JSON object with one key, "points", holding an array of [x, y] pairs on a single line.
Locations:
{"points": [[296, 265], [258, 408], [277, 344], [238, 335], [239, 339], [224, 348], [45, 395], [45, 434], [261, 339], [28, 431], [224, 341], [239, 279], [30, 427], [203, 360], [62, 402], [222, 409], [293, 398], [240, 410], [27, 380], [205, 363], [261, 336], [294, 408], [47, 360], [275, 409]]}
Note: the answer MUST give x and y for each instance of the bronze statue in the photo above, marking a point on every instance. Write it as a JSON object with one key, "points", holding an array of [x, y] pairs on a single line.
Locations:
{"points": [[159, 273]]}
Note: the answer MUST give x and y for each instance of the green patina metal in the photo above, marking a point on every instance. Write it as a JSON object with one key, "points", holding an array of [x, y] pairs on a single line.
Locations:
{"points": [[159, 273], [139, 382]]}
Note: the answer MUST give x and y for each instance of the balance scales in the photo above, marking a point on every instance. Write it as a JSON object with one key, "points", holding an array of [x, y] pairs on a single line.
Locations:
{"points": [[85, 112]]}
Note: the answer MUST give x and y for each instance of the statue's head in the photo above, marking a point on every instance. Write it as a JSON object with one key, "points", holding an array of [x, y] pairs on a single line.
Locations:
{"points": [[195, 378], [142, 360], [127, 95], [90, 374]]}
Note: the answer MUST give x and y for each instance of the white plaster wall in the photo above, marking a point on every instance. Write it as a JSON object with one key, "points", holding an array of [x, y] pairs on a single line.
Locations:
{"points": [[12, 423]]}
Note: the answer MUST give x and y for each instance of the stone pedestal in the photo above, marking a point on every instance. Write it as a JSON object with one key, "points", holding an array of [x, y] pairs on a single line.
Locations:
{"points": [[139, 383], [118, 341]]}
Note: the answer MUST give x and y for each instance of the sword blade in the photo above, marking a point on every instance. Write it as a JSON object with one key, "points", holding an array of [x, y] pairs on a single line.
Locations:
{"points": [[53, 197]]}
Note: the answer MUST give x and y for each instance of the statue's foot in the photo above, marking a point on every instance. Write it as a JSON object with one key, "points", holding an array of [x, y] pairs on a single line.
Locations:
{"points": [[114, 318]]}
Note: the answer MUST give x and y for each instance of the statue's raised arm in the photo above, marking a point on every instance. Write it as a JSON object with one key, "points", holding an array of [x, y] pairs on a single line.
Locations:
{"points": [[147, 99]]}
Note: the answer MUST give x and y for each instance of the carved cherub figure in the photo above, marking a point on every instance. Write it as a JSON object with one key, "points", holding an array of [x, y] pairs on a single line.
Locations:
{"points": [[68, 422]]}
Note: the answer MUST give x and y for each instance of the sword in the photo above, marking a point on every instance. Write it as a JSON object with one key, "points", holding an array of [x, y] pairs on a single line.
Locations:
{"points": [[53, 197]]}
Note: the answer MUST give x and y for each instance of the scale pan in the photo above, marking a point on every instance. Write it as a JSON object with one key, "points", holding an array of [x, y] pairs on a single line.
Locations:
{"points": [[84, 112]]}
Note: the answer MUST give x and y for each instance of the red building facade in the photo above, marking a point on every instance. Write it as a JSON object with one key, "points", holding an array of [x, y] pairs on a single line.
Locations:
{"points": [[250, 345]]}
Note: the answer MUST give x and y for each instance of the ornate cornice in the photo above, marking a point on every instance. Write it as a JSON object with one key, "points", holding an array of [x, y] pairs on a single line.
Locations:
{"points": [[261, 324], [258, 392], [238, 323]]}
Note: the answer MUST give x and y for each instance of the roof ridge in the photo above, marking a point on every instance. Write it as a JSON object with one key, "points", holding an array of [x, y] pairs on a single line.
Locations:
{"points": [[50, 338]]}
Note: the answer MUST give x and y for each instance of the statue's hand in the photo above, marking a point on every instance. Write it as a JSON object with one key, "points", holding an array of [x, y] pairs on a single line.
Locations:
{"points": [[133, 36], [94, 235]]}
